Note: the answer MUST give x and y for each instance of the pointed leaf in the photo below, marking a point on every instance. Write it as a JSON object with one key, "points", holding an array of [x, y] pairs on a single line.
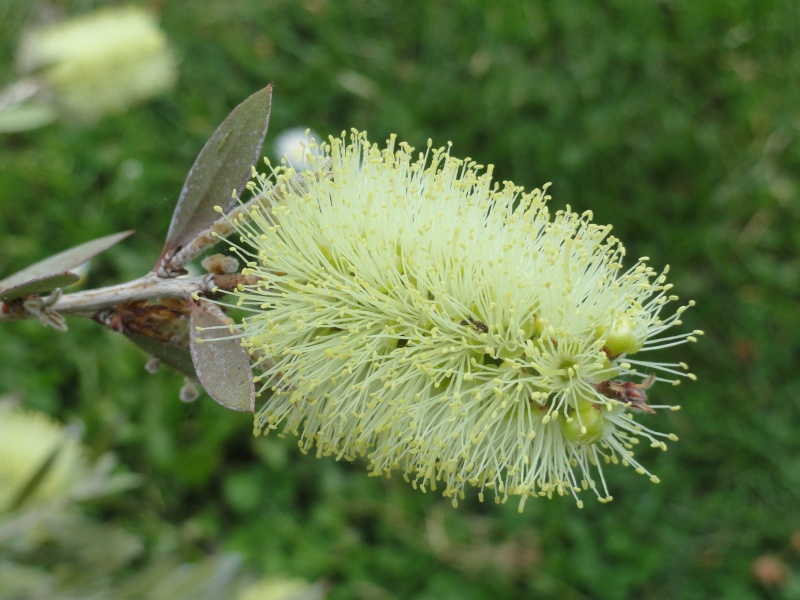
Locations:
{"points": [[63, 261], [222, 365], [25, 117], [39, 286], [178, 358], [224, 164]]}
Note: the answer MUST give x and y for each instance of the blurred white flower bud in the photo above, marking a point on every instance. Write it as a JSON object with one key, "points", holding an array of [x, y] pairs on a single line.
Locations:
{"points": [[293, 146]]}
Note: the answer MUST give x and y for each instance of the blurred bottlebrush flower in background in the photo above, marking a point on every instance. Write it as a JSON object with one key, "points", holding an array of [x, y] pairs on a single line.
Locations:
{"points": [[86, 67], [273, 588], [52, 549], [411, 311], [40, 461]]}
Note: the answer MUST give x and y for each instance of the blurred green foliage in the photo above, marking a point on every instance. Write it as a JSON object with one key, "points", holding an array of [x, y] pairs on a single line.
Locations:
{"points": [[676, 121]]}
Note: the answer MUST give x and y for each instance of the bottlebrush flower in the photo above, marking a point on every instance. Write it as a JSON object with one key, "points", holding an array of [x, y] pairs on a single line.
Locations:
{"points": [[412, 312]]}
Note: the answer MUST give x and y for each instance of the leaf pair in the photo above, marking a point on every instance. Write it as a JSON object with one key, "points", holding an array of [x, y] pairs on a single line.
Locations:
{"points": [[219, 174]]}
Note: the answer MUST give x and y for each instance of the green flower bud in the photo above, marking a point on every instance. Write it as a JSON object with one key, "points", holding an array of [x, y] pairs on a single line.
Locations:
{"points": [[622, 338], [584, 426]]}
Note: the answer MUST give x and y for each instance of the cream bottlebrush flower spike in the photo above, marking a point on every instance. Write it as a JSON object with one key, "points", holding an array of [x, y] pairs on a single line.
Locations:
{"points": [[413, 312]]}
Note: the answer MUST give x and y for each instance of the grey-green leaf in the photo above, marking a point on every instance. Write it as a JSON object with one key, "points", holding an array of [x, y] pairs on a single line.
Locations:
{"points": [[63, 261], [39, 286], [173, 356], [223, 165], [222, 365]]}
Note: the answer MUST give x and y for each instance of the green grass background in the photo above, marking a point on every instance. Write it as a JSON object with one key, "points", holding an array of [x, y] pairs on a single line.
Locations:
{"points": [[677, 121]]}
